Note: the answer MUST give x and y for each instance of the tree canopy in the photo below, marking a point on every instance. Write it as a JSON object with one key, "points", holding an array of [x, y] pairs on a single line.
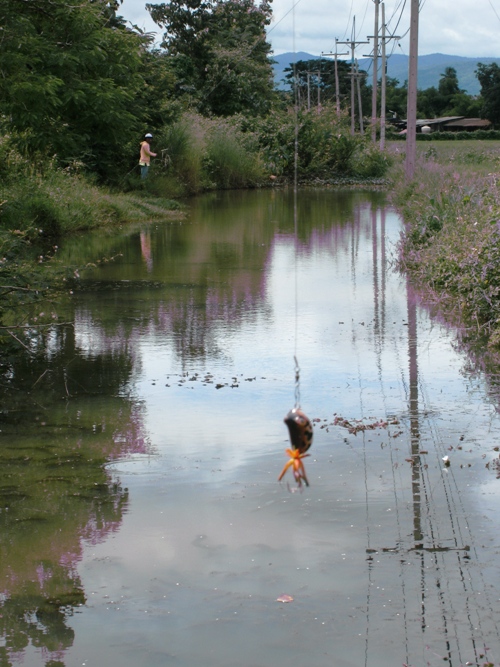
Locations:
{"points": [[69, 79], [320, 73], [80, 87], [489, 78], [221, 52]]}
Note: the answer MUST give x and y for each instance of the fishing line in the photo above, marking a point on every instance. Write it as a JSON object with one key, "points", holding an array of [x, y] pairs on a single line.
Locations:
{"points": [[299, 426], [295, 218]]}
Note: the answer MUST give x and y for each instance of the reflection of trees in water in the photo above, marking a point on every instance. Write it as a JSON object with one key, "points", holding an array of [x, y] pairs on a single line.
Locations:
{"points": [[62, 420], [61, 395], [191, 282]]}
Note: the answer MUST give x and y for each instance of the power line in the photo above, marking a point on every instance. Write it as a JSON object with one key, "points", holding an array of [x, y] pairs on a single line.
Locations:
{"points": [[284, 16], [494, 10], [348, 20], [400, 17], [403, 2]]}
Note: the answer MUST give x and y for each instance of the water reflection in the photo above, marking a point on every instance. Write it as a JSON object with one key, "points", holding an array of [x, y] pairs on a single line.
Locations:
{"points": [[178, 369], [60, 421], [210, 270]]}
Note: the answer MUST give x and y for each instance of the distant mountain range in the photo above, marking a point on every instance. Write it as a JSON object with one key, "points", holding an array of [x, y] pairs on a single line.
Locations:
{"points": [[430, 68]]}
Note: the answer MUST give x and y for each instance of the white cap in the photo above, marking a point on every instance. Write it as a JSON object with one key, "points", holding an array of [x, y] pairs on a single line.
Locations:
{"points": [[148, 136]]}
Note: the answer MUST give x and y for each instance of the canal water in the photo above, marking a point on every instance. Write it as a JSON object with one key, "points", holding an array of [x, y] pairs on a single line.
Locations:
{"points": [[142, 436]]}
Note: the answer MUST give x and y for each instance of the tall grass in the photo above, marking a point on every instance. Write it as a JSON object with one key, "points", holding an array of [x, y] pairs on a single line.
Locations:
{"points": [[230, 161], [450, 245], [182, 153], [199, 153], [38, 205]]}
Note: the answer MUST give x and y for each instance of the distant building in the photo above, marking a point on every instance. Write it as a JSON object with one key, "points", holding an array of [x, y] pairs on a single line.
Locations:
{"points": [[468, 125], [446, 124]]}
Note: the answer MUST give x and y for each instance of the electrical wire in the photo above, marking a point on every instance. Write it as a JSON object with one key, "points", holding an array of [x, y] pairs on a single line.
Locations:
{"points": [[348, 22], [494, 10]]}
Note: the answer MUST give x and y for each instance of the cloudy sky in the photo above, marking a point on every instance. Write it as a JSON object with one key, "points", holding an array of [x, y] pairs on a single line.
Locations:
{"points": [[465, 28]]}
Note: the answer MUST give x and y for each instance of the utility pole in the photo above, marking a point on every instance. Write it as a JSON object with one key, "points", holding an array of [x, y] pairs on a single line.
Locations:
{"points": [[384, 80], [337, 92], [411, 113], [383, 85], [318, 76], [360, 106], [375, 74], [352, 43], [374, 55]]}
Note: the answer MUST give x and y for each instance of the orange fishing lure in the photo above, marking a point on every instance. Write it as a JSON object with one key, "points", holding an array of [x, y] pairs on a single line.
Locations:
{"points": [[301, 435]]}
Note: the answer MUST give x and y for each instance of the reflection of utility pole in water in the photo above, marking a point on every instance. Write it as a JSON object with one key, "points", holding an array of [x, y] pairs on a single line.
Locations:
{"points": [[433, 564], [413, 410], [376, 289], [379, 281]]}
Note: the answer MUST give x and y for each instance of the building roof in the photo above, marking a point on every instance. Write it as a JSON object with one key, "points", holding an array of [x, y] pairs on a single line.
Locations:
{"points": [[438, 121], [469, 122]]}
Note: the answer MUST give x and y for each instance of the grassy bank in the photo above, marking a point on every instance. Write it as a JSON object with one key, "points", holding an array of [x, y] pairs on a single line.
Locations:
{"points": [[39, 204], [450, 245]]}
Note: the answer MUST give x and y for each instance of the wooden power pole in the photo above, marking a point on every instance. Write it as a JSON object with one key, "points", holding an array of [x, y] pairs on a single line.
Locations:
{"points": [[375, 74], [360, 105], [383, 87], [337, 91], [411, 113], [352, 43]]}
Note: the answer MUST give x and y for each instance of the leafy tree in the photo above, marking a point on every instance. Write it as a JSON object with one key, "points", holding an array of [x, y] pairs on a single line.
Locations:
{"points": [[69, 75], [430, 103], [489, 78], [448, 99], [448, 83], [220, 51], [322, 73], [162, 78], [307, 75], [396, 98]]}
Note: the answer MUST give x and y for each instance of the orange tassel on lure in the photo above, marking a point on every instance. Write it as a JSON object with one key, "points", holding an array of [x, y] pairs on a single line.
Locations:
{"points": [[301, 435]]}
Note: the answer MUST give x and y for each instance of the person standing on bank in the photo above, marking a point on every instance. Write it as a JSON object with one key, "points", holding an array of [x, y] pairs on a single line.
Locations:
{"points": [[146, 155]]}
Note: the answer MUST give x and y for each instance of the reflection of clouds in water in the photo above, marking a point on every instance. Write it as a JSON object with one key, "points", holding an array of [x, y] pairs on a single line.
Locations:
{"points": [[207, 517]]}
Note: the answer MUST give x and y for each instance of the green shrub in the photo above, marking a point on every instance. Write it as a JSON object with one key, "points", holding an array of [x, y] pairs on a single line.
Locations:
{"points": [[370, 162], [325, 146], [229, 163], [181, 153], [33, 209]]}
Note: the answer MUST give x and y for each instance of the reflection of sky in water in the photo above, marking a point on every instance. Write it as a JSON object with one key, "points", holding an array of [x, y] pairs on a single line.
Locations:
{"points": [[210, 539]]}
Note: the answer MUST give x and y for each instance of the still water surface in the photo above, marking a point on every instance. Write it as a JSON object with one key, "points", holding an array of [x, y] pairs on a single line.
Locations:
{"points": [[141, 518]]}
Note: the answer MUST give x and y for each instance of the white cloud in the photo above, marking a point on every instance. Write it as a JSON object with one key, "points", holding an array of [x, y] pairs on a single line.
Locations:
{"points": [[471, 29]]}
